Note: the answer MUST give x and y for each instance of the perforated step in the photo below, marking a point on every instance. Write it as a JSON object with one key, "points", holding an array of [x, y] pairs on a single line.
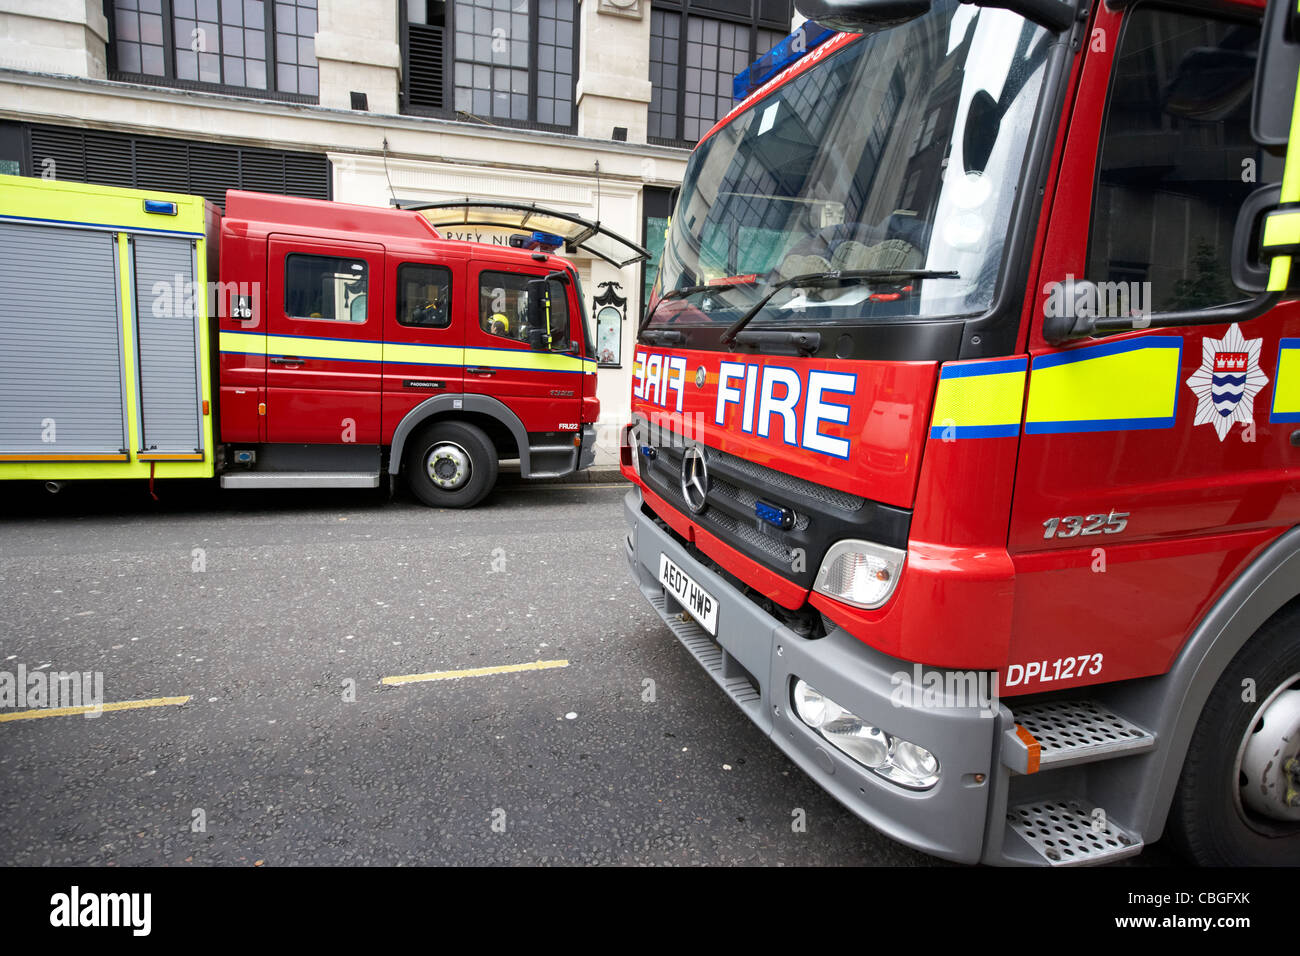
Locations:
{"points": [[721, 666], [1068, 732], [1069, 833]]}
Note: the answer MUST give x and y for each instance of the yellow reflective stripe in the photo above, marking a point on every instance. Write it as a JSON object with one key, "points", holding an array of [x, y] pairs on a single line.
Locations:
{"points": [[1286, 390], [524, 359], [1291, 171], [979, 399], [1279, 272], [345, 349], [1281, 228], [423, 354], [1112, 387], [248, 343], [367, 351]]}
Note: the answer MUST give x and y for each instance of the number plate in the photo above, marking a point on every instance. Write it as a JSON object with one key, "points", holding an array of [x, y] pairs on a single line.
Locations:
{"points": [[698, 602]]}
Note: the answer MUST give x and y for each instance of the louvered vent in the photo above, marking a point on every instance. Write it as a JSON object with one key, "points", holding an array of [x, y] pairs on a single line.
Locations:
{"points": [[425, 83], [153, 162], [58, 153], [212, 170]]}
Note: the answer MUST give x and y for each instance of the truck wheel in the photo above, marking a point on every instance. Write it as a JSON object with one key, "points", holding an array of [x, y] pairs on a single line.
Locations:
{"points": [[451, 465], [1238, 800]]}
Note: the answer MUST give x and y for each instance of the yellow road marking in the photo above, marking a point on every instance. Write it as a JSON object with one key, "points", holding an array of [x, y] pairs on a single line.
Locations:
{"points": [[117, 705], [474, 672]]}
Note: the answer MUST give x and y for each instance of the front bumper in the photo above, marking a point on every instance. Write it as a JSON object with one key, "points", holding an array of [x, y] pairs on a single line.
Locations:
{"points": [[755, 658], [587, 452]]}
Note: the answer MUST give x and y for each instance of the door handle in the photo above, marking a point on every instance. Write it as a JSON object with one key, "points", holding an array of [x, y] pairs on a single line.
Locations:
{"points": [[286, 360], [480, 370]]}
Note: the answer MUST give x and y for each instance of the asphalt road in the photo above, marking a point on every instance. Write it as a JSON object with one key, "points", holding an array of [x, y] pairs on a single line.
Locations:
{"points": [[280, 614]]}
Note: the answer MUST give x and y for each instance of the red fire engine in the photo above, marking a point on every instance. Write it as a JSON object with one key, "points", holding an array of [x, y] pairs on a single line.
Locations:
{"points": [[335, 342], [965, 440]]}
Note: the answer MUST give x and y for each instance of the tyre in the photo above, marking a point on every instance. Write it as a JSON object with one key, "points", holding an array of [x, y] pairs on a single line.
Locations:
{"points": [[1238, 799], [451, 465]]}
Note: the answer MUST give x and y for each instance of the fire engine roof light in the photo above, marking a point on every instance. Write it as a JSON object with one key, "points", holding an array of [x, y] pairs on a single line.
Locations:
{"points": [[160, 207], [860, 573], [900, 761]]}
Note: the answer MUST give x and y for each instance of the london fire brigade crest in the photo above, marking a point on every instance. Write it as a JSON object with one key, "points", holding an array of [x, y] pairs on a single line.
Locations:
{"points": [[1227, 381]]}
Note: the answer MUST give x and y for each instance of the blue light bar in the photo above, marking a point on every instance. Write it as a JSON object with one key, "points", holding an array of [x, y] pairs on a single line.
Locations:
{"points": [[540, 241], [160, 207], [774, 514], [544, 239], [808, 36]]}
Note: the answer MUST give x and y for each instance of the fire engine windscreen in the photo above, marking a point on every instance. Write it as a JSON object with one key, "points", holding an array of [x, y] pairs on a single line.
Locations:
{"points": [[901, 151]]}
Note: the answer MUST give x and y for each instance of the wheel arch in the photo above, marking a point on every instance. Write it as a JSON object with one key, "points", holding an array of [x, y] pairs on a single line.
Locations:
{"points": [[502, 425], [1171, 704]]}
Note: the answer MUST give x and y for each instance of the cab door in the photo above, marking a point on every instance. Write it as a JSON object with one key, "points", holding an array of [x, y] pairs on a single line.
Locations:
{"points": [[543, 388], [1149, 469], [324, 340], [424, 334]]}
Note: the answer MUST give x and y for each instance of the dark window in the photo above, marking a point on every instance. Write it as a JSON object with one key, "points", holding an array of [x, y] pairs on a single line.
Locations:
{"points": [[1174, 157], [657, 204], [252, 47], [153, 162], [692, 67], [507, 61], [423, 295], [503, 307], [325, 287]]}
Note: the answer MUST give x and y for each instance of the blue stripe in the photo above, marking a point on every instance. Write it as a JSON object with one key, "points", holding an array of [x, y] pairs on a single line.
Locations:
{"points": [[999, 367], [104, 225], [1283, 345], [1109, 348], [940, 432], [1097, 425]]}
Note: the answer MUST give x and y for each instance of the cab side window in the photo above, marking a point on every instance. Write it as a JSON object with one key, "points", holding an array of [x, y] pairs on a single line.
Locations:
{"points": [[1177, 160], [325, 287], [503, 307], [423, 295]]}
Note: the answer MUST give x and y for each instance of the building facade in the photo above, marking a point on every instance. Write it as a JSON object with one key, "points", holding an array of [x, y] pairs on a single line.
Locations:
{"points": [[585, 106]]}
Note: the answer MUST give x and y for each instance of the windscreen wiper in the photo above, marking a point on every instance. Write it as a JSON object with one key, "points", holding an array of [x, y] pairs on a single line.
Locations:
{"points": [[690, 290], [829, 278]]}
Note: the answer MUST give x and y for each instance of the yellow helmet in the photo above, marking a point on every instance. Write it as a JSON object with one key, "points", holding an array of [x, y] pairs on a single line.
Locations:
{"points": [[499, 324]]}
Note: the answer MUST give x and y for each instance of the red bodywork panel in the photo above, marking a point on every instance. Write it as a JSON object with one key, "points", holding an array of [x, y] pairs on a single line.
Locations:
{"points": [[888, 413], [984, 586], [286, 378]]}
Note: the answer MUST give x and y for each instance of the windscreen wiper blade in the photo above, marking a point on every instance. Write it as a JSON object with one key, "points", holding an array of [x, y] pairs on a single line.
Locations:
{"points": [[690, 290], [828, 278]]}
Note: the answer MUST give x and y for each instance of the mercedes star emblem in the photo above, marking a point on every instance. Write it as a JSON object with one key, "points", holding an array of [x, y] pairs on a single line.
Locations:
{"points": [[695, 479]]}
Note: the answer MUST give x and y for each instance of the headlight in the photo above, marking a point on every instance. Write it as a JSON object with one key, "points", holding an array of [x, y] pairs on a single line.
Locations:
{"points": [[634, 445], [860, 573], [893, 758]]}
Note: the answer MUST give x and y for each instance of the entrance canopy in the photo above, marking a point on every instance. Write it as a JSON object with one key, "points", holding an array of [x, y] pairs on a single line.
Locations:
{"points": [[579, 235]]}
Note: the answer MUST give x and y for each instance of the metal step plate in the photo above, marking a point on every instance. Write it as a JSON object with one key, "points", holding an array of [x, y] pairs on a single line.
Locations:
{"points": [[1078, 731], [1068, 833], [300, 479], [722, 667]]}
